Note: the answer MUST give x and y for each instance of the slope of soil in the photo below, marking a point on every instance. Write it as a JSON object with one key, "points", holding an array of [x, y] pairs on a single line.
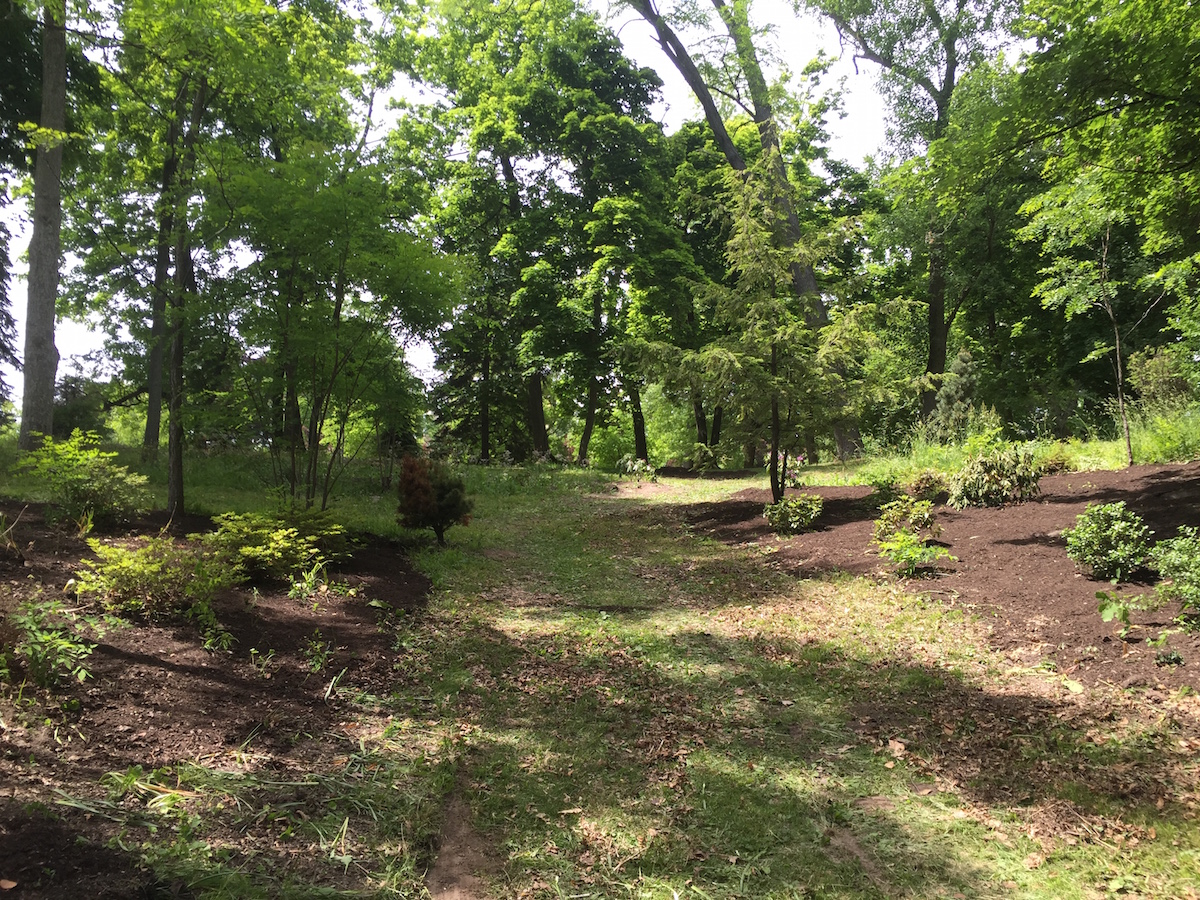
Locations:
{"points": [[1011, 567], [156, 699]]}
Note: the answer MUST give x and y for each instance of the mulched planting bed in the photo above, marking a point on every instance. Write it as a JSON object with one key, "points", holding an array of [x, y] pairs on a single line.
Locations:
{"points": [[1012, 567]]}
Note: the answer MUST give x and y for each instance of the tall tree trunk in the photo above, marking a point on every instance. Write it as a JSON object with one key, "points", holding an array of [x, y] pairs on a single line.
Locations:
{"points": [[589, 418], [45, 244], [701, 420], [485, 403], [535, 414], [939, 330], [776, 482], [641, 448], [167, 202], [185, 287]]}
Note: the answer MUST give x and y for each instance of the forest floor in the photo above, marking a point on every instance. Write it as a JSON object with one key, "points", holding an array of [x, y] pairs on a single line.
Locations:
{"points": [[291, 744]]}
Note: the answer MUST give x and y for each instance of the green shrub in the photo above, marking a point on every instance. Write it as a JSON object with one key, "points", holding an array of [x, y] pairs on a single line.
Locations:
{"points": [[431, 496], [1110, 539], [83, 482], [909, 552], [793, 514], [158, 579], [906, 514], [48, 644], [1178, 561], [277, 548], [903, 531], [996, 477], [928, 485]]}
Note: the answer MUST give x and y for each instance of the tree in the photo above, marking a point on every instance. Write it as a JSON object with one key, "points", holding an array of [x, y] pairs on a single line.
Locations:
{"points": [[45, 244], [923, 48]]}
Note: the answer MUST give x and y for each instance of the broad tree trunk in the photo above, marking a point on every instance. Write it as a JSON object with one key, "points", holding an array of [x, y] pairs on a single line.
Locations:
{"points": [[939, 330], [714, 434], [535, 414], [45, 244], [641, 448]]}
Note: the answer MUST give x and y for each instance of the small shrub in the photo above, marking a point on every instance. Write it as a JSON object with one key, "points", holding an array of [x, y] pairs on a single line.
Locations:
{"points": [[793, 514], [84, 484], [1178, 561], [928, 485], [1110, 539], [431, 496], [902, 533], [906, 514], [49, 644], [885, 489], [909, 552], [636, 468], [158, 579], [995, 478], [277, 548]]}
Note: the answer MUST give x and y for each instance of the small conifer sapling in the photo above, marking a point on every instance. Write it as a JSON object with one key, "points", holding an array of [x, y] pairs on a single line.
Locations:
{"points": [[431, 496]]}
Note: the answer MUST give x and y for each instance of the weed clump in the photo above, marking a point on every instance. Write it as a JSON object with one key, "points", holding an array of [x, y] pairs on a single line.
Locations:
{"points": [[85, 486], [792, 515], [431, 496], [996, 478], [1110, 539]]}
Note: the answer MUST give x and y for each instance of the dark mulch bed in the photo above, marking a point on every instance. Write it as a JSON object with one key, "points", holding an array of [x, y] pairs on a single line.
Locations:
{"points": [[157, 699], [1012, 567]]}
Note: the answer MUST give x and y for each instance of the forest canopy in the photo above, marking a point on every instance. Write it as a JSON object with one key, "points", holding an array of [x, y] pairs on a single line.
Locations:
{"points": [[265, 206]]}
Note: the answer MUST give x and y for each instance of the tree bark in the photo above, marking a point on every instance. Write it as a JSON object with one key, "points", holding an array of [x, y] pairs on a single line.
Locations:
{"points": [[701, 421], [185, 286], [162, 274], [589, 418], [641, 448], [45, 244], [535, 414]]}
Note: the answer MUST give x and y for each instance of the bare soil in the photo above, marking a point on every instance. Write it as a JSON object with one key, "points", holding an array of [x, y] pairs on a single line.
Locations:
{"points": [[1011, 567], [157, 699]]}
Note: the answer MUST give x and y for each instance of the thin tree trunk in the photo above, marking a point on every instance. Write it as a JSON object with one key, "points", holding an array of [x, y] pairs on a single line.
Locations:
{"points": [[589, 419], [935, 365], [485, 401], [776, 483], [714, 434], [167, 202], [701, 421], [45, 244], [185, 287]]}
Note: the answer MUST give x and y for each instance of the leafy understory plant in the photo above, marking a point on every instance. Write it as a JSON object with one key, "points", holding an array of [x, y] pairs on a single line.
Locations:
{"points": [[792, 515], [1110, 539], [50, 644], [86, 487], [160, 579], [1178, 561], [277, 547], [636, 468], [903, 533], [996, 477]]}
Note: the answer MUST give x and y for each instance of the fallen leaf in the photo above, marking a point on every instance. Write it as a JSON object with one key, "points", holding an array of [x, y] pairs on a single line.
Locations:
{"points": [[1073, 686], [890, 764], [923, 789], [6, 885], [573, 811], [1034, 860], [897, 748]]}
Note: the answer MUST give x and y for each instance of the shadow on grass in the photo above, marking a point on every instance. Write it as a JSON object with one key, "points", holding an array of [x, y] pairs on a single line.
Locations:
{"points": [[759, 765]]}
